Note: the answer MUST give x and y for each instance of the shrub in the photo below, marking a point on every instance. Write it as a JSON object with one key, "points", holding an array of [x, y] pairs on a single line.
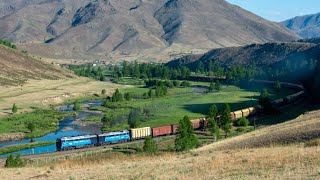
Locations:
{"points": [[103, 91], [243, 122], [150, 146], [76, 106], [312, 143], [14, 108], [14, 161]]}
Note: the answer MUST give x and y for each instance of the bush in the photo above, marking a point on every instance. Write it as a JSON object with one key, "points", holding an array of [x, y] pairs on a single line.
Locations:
{"points": [[243, 122], [77, 106], [150, 146], [14, 108], [312, 143], [103, 91], [14, 161]]}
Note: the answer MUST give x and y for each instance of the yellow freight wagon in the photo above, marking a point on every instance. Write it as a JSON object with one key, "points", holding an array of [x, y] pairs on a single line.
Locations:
{"points": [[140, 133], [252, 110], [245, 112], [238, 114]]}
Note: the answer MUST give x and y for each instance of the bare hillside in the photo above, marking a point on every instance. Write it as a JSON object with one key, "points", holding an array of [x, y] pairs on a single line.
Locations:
{"points": [[17, 67], [113, 28]]}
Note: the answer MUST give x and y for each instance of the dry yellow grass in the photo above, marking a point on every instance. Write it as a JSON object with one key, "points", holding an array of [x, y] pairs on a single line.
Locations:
{"points": [[267, 163], [41, 93]]}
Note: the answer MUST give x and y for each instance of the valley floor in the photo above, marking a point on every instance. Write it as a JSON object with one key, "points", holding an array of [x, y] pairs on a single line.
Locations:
{"points": [[39, 93]]}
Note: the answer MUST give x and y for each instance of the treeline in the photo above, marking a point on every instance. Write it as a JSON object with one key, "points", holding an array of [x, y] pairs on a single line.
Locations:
{"points": [[134, 70], [8, 44]]}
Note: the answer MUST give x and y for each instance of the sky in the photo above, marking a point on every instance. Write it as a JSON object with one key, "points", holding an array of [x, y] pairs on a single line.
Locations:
{"points": [[279, 10]]}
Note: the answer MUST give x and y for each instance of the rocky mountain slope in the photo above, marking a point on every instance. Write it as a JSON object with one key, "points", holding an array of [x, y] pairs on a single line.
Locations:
{"points": [[260, 54], [113, 28], [306, 26], [17, 67]]}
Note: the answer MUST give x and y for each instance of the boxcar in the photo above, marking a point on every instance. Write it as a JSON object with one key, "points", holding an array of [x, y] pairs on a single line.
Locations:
{"points": [[114, 137], [245, 112], [278, 102], [140, 133], [252, 110], [233, 116], [66, 143], [174, 128], [196, 123], [161, 131], [238, 114]]}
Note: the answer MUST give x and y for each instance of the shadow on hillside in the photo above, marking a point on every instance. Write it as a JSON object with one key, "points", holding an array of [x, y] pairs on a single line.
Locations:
{"points": [[284, 114]]}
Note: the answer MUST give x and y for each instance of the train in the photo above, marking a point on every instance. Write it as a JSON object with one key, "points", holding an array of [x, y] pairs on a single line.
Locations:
{"points": [[86, 141]]}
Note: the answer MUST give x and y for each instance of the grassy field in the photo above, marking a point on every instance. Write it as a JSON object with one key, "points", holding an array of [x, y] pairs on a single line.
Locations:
{"points": [[184, 101], [42, 93], [45, 121], [222, 160], [20, 147]]}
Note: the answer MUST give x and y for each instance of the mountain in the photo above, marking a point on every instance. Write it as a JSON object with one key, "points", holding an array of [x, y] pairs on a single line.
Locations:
{"points": [[17, 67], [263, 55], [306, 26], [312, 40], [143, 29]]}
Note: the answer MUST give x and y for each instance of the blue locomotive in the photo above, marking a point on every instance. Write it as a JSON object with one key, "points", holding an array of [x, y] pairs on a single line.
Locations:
{"points": [[85, 141], [68, 143]]}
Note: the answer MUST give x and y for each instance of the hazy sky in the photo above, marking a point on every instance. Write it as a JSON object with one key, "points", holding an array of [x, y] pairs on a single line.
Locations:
{"points": [[279, 10]]}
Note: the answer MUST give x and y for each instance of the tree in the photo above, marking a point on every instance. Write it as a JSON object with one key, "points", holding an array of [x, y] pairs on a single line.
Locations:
{"points": [[185, 84], [14, 161], [31, 126], [214, 128], [150, 146], [277, 87], [14, 108], [104, 91], [106, 120], [185, 138], [176, 83], [77, 106], [217, 86], [127, 96], [226, 122], [117, 96], [213, 112], [133, 118], [102, 78], [264, 101], [150, 93], [211, 87]]}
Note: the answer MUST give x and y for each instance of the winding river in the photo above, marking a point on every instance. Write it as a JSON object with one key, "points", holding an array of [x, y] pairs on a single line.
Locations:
{"points": [[66, 127]]}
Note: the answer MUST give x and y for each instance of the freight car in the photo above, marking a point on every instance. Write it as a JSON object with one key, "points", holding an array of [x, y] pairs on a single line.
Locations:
{"points": [[140, 133], [162, 131]]}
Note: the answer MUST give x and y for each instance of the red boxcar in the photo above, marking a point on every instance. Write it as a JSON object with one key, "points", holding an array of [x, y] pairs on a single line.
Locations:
{"points": [[196, 123], [233, 116], [174, 128], [161, 131]]}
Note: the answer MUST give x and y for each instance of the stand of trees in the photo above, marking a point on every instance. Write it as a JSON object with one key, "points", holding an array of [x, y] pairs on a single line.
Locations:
{"points": [[8, 44]]}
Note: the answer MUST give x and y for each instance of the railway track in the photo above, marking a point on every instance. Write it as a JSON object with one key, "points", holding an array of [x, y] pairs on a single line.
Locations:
{"points": [[82, 150]]}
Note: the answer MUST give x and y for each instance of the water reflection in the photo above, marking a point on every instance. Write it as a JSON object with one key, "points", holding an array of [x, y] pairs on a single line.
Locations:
{"points": [[66, 127]]}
